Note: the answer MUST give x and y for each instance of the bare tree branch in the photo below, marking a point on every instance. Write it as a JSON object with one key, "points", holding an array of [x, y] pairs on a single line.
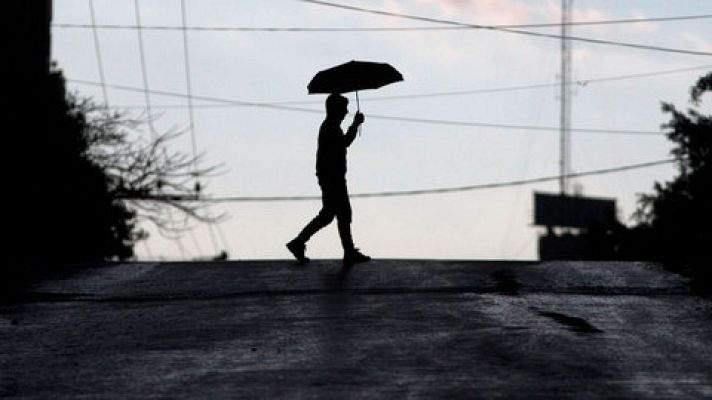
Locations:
{"points": [[145, 173]]}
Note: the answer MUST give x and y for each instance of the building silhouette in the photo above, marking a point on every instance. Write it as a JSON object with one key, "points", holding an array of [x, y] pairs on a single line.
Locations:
{"points": [[577, 228]]}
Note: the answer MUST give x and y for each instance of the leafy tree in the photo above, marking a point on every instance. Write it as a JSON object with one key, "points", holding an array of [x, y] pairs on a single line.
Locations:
{"points": [[675, 222]]}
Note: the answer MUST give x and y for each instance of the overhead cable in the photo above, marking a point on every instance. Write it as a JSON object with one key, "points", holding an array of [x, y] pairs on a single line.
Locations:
{"points": [[97, 49], [381, 29], [418, 192], [508, 30], [514, 88], [189, 86], [578, 82], [144, 70], [377, 116]]}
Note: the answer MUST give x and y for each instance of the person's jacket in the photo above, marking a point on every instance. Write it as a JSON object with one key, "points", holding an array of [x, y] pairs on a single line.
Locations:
{"points": [[331, 150]]}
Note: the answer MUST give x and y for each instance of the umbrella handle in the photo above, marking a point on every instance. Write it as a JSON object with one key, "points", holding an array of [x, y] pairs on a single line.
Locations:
{"points": [[358, 109]]}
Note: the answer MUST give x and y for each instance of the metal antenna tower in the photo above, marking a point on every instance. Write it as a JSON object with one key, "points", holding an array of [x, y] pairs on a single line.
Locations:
{"points": [[565, 98]]}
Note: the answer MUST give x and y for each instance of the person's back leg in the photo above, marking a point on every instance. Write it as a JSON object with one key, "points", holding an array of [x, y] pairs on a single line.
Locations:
{"points": [[298, 245]]}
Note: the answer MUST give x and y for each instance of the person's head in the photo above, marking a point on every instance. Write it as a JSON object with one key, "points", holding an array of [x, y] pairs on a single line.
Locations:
{"points": [[336, 106]]}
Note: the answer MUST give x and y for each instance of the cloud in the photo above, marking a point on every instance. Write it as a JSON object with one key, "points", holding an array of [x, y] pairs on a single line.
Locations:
{"points": [[485, 11], [642, 27], [696, 42]]}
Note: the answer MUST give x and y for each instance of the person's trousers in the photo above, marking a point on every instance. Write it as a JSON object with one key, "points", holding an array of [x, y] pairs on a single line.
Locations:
{"points": [[335, 203]]}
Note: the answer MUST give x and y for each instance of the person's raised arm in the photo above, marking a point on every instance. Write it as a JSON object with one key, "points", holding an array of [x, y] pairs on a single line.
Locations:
{"points": [[353, 129]]}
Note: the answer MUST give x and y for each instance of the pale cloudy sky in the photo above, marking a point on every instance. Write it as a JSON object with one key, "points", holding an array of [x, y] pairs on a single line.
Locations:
{"points": [[271, 152]]}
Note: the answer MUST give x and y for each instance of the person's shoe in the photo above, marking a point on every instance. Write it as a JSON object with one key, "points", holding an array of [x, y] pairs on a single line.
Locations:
{"points": [[297, 249], [354, 256]]}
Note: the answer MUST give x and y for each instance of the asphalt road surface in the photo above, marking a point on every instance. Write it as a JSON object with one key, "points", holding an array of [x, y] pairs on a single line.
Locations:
{"points": [[386, 329]]}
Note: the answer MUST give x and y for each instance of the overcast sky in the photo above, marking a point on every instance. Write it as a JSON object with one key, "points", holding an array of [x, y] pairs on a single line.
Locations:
{"points": [[268, 152]]}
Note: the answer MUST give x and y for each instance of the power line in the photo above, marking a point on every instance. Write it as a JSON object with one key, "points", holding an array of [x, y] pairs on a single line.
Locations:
{"points": [[510, 126], [234, 102], [97, 48], [223, 239], [189, 88], [578, 82], [584, 82], [191, 114], [508, 30], [195, 241], [147, 248], [147, 95], [380, 29], [403, 193], [213, 239], [181, 248], [376, 116], [144, 70]]}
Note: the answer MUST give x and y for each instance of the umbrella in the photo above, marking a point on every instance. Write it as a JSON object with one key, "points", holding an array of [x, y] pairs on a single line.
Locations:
{"points": [[354, 76]]}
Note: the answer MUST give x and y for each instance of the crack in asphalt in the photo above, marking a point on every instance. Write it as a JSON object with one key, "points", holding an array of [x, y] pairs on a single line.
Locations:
{"points": [[574, 324]]}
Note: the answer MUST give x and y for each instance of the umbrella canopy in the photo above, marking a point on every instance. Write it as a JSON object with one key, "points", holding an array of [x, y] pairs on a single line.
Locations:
{"points": [[353, 76]]}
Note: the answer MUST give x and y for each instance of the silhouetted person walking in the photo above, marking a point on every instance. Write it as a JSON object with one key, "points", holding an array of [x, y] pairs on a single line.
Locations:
{"points": [[331, 173]]}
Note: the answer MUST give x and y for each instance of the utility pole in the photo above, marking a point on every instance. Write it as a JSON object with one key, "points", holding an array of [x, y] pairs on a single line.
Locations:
{"points": [[571, 216], [565, 98]]}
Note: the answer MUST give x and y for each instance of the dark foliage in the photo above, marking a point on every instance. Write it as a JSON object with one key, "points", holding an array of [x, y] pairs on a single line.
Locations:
{"points": [[63, 210], [675, 222], [80, 183]]}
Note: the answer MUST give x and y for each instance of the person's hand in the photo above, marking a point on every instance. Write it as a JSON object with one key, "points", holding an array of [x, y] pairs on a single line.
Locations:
{"points": [[358, 118]]}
